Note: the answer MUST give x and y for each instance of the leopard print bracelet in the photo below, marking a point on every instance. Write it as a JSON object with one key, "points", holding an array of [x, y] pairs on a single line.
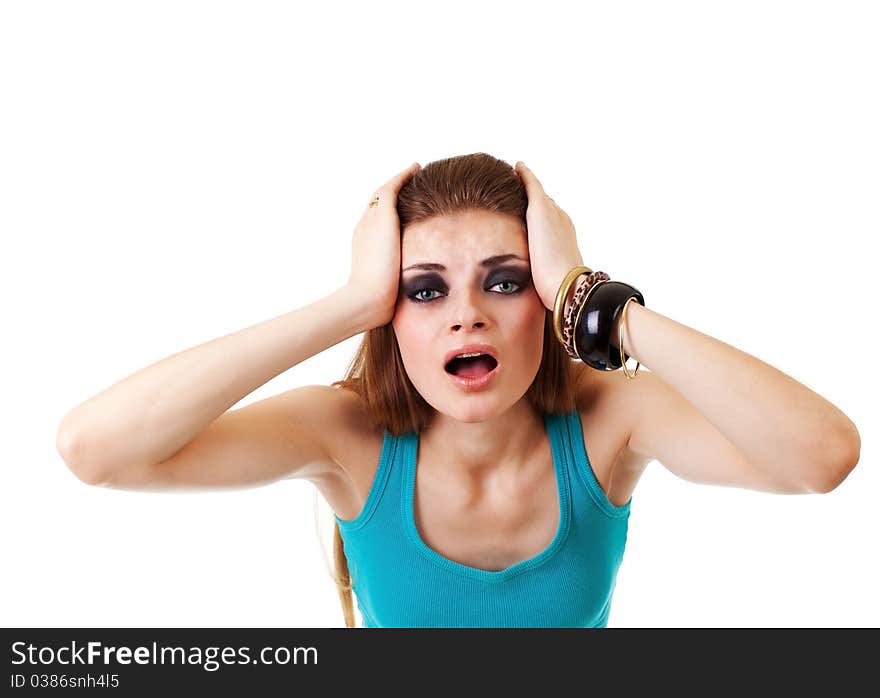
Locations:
{"points": [[582, 285]]}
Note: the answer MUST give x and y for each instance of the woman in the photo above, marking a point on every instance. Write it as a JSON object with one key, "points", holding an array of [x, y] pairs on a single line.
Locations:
{"points": [[462, 488]]}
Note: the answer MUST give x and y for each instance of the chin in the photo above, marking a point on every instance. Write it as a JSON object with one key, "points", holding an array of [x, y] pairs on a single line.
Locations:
{"points": [[470, 409], [472, 415], [464, 408]]}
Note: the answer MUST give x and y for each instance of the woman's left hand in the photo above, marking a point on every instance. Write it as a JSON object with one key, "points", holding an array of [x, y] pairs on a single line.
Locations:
{"points": [[553, 249]]}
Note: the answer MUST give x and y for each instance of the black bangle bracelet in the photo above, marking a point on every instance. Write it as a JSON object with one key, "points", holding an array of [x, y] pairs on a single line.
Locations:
{"points": [[595, 321]]}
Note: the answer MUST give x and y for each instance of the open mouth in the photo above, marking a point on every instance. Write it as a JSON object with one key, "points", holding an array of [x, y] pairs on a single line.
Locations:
{"points": [[471, 366]]}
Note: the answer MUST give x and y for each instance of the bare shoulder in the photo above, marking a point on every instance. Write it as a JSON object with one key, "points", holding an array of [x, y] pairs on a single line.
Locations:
{"points": [[608, 405], [606, 395], [355, 449]]}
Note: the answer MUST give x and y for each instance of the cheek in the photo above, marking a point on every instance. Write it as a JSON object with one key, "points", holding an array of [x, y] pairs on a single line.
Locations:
{"points": [[412, 338], [527, 325], [529, 335]]}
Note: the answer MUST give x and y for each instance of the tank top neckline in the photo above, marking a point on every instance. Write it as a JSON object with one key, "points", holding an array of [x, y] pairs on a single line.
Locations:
{"points": [[560, 461]]}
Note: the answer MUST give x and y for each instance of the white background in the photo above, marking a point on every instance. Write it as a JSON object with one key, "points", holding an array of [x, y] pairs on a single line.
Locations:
{"points": [[171, 172]]}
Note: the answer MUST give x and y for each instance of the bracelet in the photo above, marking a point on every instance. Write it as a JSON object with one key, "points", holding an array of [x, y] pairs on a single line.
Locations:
{"points": [[584, 284], [597, 305], [595, 318], [584, 277], [561, 296], [620, 338]]}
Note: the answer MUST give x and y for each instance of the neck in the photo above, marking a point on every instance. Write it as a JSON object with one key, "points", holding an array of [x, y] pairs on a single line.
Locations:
{"points": [[504, 442]]}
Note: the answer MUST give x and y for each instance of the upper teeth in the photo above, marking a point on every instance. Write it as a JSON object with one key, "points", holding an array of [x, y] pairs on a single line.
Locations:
{"points": [[464, 356]]}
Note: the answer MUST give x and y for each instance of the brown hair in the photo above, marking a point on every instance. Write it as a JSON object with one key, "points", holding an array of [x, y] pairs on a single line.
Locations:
{"points": [[376, 372]]}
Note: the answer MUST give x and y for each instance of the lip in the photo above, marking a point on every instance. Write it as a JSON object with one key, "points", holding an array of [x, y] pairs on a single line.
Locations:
{"points": [[473, 384], [470, 348]]}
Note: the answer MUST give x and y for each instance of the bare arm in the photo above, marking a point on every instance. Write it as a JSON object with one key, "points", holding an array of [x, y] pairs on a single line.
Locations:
{"points": [[718, 414], [149, 416]]}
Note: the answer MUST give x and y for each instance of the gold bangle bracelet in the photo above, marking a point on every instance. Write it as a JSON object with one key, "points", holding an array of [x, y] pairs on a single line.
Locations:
{"points": [[620, 328], [562, 296]]}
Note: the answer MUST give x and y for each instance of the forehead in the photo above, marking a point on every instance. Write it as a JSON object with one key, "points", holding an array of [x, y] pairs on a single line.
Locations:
{"points": [[462, 236]]}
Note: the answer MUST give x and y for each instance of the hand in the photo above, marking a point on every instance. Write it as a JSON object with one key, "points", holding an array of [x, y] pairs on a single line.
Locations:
{"points": [[375, 250], [553, 249]]}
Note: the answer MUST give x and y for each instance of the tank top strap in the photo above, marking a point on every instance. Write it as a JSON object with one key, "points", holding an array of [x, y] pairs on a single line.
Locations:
{"points": [[583, 473], [383, 481]]}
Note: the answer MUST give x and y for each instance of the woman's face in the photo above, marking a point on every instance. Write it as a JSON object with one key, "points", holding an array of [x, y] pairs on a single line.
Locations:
{"points": [[440, 310]]}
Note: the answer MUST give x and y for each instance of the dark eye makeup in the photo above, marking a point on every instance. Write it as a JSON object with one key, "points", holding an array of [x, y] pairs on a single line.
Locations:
{"points": [[412, 288]]}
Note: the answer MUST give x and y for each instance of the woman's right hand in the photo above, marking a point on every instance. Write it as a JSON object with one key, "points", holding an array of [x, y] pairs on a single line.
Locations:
{"points": [[375, 250]]}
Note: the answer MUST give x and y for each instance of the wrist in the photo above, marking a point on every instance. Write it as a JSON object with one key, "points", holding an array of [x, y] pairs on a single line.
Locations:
{"points": [[362, 312]]}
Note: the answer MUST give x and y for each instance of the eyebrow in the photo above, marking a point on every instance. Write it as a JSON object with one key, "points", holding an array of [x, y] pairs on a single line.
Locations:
{"points": [[486, 263]]}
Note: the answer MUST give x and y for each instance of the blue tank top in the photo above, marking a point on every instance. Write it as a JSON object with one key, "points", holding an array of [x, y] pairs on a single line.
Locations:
{"points": [[400, 582]]}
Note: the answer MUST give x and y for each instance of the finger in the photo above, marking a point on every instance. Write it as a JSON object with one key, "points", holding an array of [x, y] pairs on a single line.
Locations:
{"points": [[537, 189], [533, 186], [397, 181], [387, 193]]}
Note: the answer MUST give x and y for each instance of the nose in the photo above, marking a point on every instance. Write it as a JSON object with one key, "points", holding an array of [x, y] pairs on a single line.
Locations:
{"points": [[476, 324], [468, 313]]}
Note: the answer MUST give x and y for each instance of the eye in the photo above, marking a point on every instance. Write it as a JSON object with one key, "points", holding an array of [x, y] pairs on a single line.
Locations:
{"points": [[508, 282], [414, 296]]}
